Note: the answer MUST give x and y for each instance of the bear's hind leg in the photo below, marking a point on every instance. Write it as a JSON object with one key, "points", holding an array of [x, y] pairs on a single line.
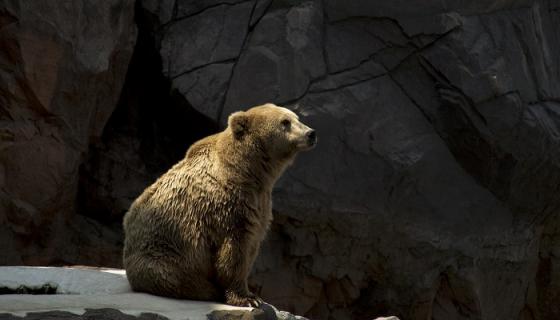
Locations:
{"points": [[166, 277]]}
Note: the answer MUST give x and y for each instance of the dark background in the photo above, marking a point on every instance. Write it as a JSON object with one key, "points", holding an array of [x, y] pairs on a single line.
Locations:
{"points": [[433, 192]]}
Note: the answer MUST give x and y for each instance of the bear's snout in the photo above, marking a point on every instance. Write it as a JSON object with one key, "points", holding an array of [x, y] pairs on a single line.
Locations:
{"points": [[311, 138]]}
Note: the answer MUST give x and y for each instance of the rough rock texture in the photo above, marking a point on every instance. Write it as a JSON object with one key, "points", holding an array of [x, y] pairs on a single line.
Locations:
{"points": [[433, 192], [428, 193], [62, 67]]}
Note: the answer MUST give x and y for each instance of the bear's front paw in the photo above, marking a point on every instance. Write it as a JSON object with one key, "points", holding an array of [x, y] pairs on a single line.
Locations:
{"points": [[243, 300]]}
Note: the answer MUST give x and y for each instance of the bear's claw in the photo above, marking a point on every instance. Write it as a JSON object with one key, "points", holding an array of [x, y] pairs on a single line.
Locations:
{"points": [[249, 300]]}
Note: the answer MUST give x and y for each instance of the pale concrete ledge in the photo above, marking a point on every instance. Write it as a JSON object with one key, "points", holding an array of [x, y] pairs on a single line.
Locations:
{"points": [[76, 293], [53, 293]]}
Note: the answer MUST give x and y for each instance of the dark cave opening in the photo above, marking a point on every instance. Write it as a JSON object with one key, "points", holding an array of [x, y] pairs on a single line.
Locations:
{"points": [[151, 128]]}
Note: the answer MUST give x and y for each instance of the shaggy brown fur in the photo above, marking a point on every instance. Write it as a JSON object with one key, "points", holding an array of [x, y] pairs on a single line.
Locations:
{"points": [[195, 232]]}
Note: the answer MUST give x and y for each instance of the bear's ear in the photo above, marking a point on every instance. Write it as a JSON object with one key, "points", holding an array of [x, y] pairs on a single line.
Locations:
{"points": [[238, 123]]}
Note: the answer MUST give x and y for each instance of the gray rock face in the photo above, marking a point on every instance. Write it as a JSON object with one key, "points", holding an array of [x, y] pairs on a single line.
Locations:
{"points": [[435, 172], [209, 38], [283, 54], [206, 87], [60, 79], [433, 192]]}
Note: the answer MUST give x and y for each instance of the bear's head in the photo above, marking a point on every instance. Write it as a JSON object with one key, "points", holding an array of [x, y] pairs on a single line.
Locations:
{"points": [[275, 129]]}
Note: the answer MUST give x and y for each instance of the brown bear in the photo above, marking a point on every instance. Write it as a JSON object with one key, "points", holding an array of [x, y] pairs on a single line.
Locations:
{"points": [[196, 231]]}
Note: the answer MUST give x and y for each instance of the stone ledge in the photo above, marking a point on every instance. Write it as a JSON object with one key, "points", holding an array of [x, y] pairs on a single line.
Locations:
{"points": [[85, 293], [73, 293]]}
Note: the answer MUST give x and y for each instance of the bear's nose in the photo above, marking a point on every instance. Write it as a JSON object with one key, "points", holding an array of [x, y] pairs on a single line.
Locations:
{"points": [[311, 137]]}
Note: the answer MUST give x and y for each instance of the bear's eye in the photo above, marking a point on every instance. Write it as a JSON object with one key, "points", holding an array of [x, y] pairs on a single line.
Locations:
{"points": [[286, 124]]}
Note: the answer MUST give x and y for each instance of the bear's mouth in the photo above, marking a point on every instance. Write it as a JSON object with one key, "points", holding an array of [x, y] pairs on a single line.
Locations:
{"points": [[312, 143], [307, 145]]}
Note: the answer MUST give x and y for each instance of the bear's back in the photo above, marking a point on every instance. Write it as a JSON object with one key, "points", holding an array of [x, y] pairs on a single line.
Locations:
{"points": [[186, 205]]}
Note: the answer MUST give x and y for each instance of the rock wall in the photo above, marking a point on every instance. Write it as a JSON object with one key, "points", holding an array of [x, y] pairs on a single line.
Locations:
{"points": [[432, 193], [62, 67]]}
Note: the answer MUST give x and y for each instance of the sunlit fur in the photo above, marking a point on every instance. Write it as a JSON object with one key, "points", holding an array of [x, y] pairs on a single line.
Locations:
{"points": [[195, 232]]}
